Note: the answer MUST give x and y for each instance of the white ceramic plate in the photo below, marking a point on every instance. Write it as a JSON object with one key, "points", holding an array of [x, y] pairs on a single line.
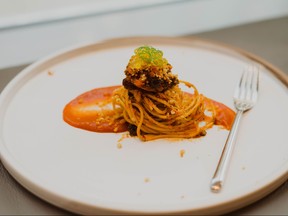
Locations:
{"points": [[85, 172]]}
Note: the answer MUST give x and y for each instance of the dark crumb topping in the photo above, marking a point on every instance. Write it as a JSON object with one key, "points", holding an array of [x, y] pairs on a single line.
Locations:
{"points": [[132, 130], [147, 70]]}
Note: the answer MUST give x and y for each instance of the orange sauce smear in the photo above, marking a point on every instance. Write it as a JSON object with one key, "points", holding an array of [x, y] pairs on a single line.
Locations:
{"points": [[85, 112]]}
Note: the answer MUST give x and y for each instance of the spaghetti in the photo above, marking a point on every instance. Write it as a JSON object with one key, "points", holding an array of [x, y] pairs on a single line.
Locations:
{"points": [[153, 104]]}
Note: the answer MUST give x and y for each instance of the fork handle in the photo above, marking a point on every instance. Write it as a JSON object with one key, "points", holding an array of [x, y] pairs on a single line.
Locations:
{"points": [[222, 167]]}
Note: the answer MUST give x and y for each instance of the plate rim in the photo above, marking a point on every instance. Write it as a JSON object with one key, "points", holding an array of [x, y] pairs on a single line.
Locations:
{"points": [[191, 41]]}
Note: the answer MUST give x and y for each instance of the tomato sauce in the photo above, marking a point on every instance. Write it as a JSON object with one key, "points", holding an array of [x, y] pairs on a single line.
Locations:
{"points": [[91, 111], [88, 111]]}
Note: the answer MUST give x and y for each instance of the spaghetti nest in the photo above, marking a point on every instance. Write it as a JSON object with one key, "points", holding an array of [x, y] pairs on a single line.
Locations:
{"points": [[169, 114], [152, 103]]}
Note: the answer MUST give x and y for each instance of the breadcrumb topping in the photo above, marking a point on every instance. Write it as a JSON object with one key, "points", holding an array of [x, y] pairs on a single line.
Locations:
{"points": [[148, 70]]}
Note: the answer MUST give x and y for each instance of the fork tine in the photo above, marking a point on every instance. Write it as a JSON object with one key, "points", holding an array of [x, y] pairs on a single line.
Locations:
{"points": [[248, 85], [239, 90], [255, 84]]}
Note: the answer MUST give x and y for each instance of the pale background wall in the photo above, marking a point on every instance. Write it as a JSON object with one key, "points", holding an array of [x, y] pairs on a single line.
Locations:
{"points": [[31, 29]]}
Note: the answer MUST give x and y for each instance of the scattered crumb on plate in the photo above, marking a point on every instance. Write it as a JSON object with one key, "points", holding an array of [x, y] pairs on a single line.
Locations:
{"points": [[182, 152], [146, 180], [124, 136], [50, 73]]}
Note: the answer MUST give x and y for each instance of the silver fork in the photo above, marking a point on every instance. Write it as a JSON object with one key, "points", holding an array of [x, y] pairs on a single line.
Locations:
{"points": [[245, 97]]}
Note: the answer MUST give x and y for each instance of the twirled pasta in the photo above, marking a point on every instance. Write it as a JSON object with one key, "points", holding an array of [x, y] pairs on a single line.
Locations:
{"points": [[169, 114]]}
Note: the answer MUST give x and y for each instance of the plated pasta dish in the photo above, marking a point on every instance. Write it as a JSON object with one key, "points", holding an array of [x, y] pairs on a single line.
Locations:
{"points": [[152, 103]]}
